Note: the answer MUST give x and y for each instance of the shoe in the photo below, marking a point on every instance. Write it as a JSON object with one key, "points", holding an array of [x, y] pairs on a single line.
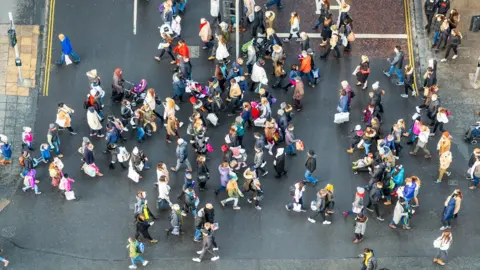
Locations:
{"points": [[323, 44], [204, 47], [215, 258], [298, 40], [443, 60], [371, 210], [311, 220], [73, 133], [286, 40], [404, 96], [157, 58], [199, 252], [196, 240], [392, 226], [428, 156], [448, 173], [249, 200], [222, 203], [215, 248], [414, 93], [288, 209], [326, 222], [380, 218], [38, 193], [145, 263], [258, 207], [236, 208], [265, 173], [405, 227], [356, 241], [60, 155], [438, 181], [443, 228], [132, 267], [397, 157], [417, 109], [386, 73], [435, 260], [400, 83], [455, 56], [350, 150], [303, 210], [154, 241], [439, 261], [184, 214], [412, 153], [196, 259], [211, 58], [173, 169]]}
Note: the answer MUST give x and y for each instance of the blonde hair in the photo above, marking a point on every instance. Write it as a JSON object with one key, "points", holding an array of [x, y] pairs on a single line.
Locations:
{"points": [[232, 184], [364, 58], [295, 16]]}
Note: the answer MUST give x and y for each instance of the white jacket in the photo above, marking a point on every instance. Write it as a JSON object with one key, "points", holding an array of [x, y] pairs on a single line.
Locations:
{"points": [[295, 26], [423, 136], [222, 52], [444, 245], [214, 8], [176, 26], [93, 120], [163, 191], [298, 193], [442, 118], [150, 101], [259, 74]]}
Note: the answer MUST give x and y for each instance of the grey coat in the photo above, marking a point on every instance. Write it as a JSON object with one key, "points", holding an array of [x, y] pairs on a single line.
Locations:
{"points": [[360, 227], [258, 159]]}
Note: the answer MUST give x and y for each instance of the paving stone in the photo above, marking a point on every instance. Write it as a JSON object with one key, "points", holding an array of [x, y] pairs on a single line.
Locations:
{"points": [[3, 57], [11, 78], [4, 39], [27, 31], [25, 50], [2, 89], [11, 100], [36, 30], [3, 48], [2, 115], [12, 91], [23, 100], [3, 99], [23, 91]]}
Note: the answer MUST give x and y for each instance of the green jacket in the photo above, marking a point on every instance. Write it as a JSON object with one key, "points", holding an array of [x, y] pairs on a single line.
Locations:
{"points": [[132, 248]]}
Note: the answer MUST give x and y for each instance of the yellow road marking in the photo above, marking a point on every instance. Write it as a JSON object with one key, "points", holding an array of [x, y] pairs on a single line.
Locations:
{"points": [[411, 57], [51, 19]]}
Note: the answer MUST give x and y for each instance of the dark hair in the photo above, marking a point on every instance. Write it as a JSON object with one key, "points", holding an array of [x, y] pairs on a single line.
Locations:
{"points": [[61, 104], [65, 175], [181, 41], [398, 47]]}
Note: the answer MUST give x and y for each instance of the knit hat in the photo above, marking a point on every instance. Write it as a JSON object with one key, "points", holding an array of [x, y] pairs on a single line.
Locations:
{"points": [[446, 134], [358, 127], [329, 187], [27, 129], [360, 190]]}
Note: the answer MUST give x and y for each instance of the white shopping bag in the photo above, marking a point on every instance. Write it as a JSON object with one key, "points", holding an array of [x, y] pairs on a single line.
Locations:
{"points": [[70, 195], [68, 61], [344, 41], [341, 117], [212, 118], [357, 69], [259, 122], [297, 207], [132, 174]]}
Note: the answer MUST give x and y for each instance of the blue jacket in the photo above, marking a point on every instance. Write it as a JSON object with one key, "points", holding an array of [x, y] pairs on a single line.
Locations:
{"points": [[182, 152], [246, 115], [390, 144], [7, 150], [66, 46], [449, 209], [343, 103], [409, 191], [179, 88], [112, 137], [293, 74]]}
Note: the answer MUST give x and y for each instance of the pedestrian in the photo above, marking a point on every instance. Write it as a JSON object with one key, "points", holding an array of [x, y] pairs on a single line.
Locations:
{"points": [[443, 6], [432, 105], [330, 200], [182, 156], [396, 65], [401, 214], [181, 50], [141, 206], [445, 161], [444, 143], [225, 174], [63, 117], [142, 226], [240, 130], [298, 94], [408, 83], [135, 248], [6, 150], [172, 128], [67, 50], [205, 33], [360, 227], [290, 140], [357, 205], [215, 11], [259, 162], [342, 106], [208, 244], [251, 58], [348, 34], [344, 14], [203, 174], [453, 42], [27, 138], [165, 46], [430, 7], [235, 95], [151, 100], [3, 260], [422, 142], [240, 157], [452, 207], [294, 27], [55, 171], [270, 131], [375, 195], [334, 43], [176, 220], [279, 163], [306, 67], [369, 260], [437, 24], [362, 72], [234, 194], [320, 207], [176, 27], [94, 123], [445, 32], [324, 11], [29, 182], [296, 191], [259, 76], [204, 215], [25, 160], [89, 158], [311, 166], [442, 243], [258, 20], [257, 193], [185, 67], [269, 17]]}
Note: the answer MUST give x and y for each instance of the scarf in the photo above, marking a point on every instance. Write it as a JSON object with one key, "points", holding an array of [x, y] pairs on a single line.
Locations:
{"points": [[361, 195], [202, 25]]}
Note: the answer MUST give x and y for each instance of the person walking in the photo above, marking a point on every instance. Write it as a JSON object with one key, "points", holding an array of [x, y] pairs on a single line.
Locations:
{"points": [[445, 161], [233, 194], [6, 150], [135, 248], [360, 227], [182, 156], [324, 11], [165, 46], [257, 193], [93, 120], [408, 83], [279, 163], [215, 11], [362, 72], [54, 140], [442, 244], [294, 27], [321, 207], [452, 207], [63, 117], [29, 182], [207, 245], [269, 17], [357, 205], [259, 162], [333, 44], [310, 166], [67, 50], [396, 65], [176, 220], [205, 34], [401, 214], [430, 7], [298, 94], [453, 42], [296, 203], [306, 67], [422, 142], [142, 226], [369, 260], [258, 21], [375, 194], [290, 140]]}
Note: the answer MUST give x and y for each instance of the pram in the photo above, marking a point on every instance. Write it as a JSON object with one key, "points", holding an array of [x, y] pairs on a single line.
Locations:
{"points": [[472, 135], [197, 90], [136, 92], [260, 45]]}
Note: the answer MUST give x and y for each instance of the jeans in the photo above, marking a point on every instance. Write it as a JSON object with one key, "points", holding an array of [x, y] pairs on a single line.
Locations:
{"points": [[309, 76], [273, 2], [425, 150], [140, 133], [72, 54], [208, 44], [290, 149], [35, 188], [235, 104], [221, 188], [138, 258], [96, 132], [235, 201], [187, 163], [436, 36], [198, 234], [446, 222], [367, 147], [475, 180], [397, 71], [375, 207], [300, 201], [309, 177], [249, 68], [450, 47], [336, 49], [182, 6], [441, 254], [56, 146]]}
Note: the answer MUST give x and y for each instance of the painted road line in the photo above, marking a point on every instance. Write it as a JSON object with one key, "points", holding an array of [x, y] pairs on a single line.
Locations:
{"points": [[364, 36], [135, 17], [48, 60]]}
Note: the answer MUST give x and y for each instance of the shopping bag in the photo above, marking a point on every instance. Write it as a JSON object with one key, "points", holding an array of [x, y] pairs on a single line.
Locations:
{"points": [[227, 139], [351, 37], [139, 167], [315, 73], [259, 122], [313, 205], [341, 117], [436, 243], [299, 146], [357, 69], [68, 61], [213, 118], [70, 195], [90, 170], [344, 41], [297, 207], [251, 17], [132, 174]]}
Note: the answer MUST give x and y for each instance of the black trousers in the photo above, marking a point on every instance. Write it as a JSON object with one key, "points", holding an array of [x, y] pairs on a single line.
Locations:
{"points": [[408, 87], [336, 49], [451, 47], [429, 21], [375, 207], [259, 171], [438, 125], [255, 29], [321, 213], [169, 51], [145, 234]]}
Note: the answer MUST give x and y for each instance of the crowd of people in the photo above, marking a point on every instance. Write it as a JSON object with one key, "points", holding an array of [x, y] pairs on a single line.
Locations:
{"points": [[240, 87]]}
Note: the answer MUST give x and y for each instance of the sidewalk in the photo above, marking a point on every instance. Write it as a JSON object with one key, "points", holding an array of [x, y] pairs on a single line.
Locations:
{"points": [[456, 92]]}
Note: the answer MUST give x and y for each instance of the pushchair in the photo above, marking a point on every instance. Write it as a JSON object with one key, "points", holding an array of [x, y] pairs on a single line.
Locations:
{"points": [[136, 92], [472, 135]]}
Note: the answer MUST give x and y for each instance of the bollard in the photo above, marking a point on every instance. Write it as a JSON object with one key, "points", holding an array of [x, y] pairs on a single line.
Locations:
{"points": [[474, 77]]}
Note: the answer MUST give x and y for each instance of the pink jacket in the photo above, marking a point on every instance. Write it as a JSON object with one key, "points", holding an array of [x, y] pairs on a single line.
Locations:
{"points": [[27, 137]]}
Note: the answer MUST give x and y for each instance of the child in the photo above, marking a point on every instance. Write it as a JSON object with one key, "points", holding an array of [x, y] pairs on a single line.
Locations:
{"points": [[27, 138], [356, 139], [29, 182], [45, 151], [360, 227], [240, 156], [188, 181], [6, 150], [364, 163]]}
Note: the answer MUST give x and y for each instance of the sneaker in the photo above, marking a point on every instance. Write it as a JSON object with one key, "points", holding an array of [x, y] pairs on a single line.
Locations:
{"points": [[386, 73], [38, 193], [132, 266], [204, 47], [350, 150], [455, 56], [199, 252], [303, 210], [448, 173], [222, 203], [387, 203], [265, 173], [404, 96], [400, 83], [288, 209], [438, 181], [184, 214], [215, 258], [371, 210], [431, 135], [392, 226], [157, 58], [312, 220], [418, 109], [286, 40], [397, 157], [154, 240], [215, 248], [211, 58], [258, 207], [299, 39], [196, 259], [326, 222], [249, 200], [443, 228], [73, 133], [380, 218], [345, 214], [145, 263], [236, 208], [414, 93], [443, 60]]}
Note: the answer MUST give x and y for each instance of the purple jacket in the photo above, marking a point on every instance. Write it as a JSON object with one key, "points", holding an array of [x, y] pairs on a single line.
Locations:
{"points": [[224, 172]]}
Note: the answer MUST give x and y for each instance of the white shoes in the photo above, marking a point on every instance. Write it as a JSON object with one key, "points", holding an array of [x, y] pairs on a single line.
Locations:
{"points": [[312, 220], [326, 222], [404, 96], [443, 60], [199, 252], [145, 263], [418, 109], [196, 259], [455, 56], [215, 258], [215, 248], [236, 208]]}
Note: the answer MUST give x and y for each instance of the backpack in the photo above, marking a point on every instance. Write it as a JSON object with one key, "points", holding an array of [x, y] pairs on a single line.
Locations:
{"points": [[140, 247], [292, 190]]}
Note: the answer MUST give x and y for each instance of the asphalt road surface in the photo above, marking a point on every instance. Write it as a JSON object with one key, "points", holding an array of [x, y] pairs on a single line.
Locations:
{"points": [[47, 232]]}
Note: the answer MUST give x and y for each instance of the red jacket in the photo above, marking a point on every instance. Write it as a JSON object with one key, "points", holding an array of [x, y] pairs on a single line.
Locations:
{"points": [[182, 50]]}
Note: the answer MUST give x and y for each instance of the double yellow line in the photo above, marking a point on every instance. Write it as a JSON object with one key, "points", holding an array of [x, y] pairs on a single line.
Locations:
{"points": [[411, 56], [48, 59]]}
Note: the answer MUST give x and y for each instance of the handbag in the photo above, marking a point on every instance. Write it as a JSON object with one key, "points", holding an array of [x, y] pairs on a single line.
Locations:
{"points": [[297, 207], [351, 37], [299, 146], [227, 139], [436, 243], [313, 205], [68, 61], [357, 69], [344, 41], [90, 170], [140, 166]]}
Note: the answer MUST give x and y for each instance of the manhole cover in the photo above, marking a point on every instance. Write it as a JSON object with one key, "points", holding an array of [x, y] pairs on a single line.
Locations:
{"points": [[8, 232], [453, 182]]}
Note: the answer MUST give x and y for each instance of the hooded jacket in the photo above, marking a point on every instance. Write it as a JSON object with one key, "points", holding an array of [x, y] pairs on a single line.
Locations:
{"points": [[311, 163], [181, 151], [398, 60], [430, 7], [443, 6], [66, 46], [224, 175]]}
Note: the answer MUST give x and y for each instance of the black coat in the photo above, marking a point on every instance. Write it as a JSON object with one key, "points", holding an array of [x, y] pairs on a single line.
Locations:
{"points": [[311, 164], [430, 7], [280, 164], [142, 226], [259, 18]]}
